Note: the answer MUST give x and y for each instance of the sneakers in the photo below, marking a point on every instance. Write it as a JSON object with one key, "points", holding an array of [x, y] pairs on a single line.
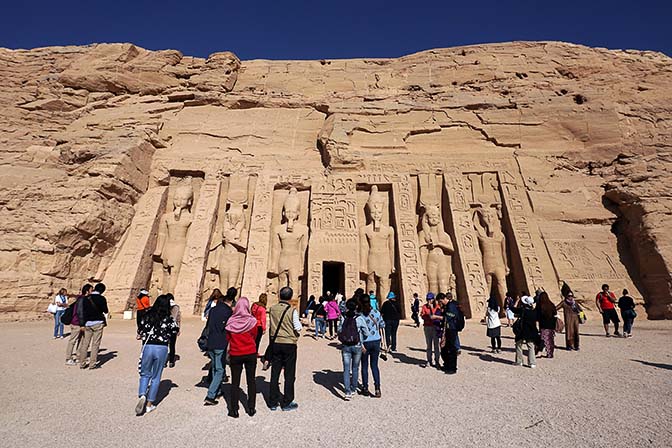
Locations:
{"points": [[617, 334], [210, 402], [348, 396], [70, 362], [140, 407], [364, 391], [293, 406], [273, 408], [150, 408], [608, 335], [171, 364], [533, 366]]}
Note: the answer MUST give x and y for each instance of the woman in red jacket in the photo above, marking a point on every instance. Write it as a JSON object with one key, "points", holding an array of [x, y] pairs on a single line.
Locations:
{"points": [[241, 331]]}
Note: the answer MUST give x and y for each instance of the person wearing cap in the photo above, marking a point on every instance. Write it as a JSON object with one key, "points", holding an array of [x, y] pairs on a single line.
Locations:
{"points": [[142, 305], [391, 312], [525, 330], [432, 340]]}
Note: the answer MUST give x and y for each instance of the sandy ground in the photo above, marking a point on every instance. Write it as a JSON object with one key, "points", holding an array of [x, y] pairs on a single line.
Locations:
{"points": [[614, 393]]}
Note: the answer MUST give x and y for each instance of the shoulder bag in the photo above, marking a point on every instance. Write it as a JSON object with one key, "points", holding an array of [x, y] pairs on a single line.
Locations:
{"points": [[266, 358]]}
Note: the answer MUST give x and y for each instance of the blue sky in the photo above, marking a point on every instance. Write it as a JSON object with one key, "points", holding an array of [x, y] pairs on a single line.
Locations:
{"points": [[332, 28]]}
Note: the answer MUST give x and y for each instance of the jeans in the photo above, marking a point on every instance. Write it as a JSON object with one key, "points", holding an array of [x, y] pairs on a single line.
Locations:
{"points": [[217, 367], [373, 354], [530, 352], [391, 327], [432, 343], [320, 326], [352, 356], [58, 325], [237, 363], [284, 356], [92, 335], [449, 351], [151, 368]]}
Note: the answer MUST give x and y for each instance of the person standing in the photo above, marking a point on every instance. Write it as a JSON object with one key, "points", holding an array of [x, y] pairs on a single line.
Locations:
{"points": [[241, 329], [76, 327], [494, 325], [547, 317], [391, 312], [215, 297], [352, 330], [61, 302], [432, 340], [320, 316], [177, 318], [157, 327], [373, 300], [218, 315], [94, 309], [309, 306], [453, 323], [415, 309], [628, 313], [605, 301], [259, 312], [371, 346], [570, 313], [142, 305], [333, 313], [286, 325], [525, 330], [509, 303]]}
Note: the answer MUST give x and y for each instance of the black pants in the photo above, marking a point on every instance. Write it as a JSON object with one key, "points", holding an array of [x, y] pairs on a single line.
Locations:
{"points": [[259, 335], [391, 327], [171, 349], [333, 327], [416, 319], [138, 318], [284, 356], [449, 352], [237, 363], [496, 342]]}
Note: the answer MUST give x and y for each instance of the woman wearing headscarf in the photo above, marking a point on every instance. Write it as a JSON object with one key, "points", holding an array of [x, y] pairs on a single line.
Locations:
{"points": [[546, 314], [570, 310], [241, 331], [525, 330], [156, 329], [494, 325]]}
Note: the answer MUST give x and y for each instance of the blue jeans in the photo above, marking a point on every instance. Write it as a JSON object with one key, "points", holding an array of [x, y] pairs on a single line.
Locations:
{"points": [[217, 366], [457, 342], [320, 326], [373, 354], [352, 355], [151, 368], [58, 325]]}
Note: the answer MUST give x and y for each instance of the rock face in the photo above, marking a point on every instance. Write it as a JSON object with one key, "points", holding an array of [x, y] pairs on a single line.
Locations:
{"points": [[563, 150]]}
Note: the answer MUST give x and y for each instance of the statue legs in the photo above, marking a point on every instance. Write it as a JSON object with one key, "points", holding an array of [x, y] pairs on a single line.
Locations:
{"points": [[500, 284], [384, 285], [371, 283]]}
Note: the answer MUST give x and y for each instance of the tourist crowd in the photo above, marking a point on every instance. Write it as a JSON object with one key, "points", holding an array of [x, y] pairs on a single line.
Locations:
{"points": [[366, 331]]}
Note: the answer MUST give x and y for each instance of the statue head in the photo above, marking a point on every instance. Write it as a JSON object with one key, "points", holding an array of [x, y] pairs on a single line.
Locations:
{"points": [[376, 206], [182, 197], [433, 214], [291, 208], [490, 219]]}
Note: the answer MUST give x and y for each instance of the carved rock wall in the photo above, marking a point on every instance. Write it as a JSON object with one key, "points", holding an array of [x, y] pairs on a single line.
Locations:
{"points": [[87, 130]]}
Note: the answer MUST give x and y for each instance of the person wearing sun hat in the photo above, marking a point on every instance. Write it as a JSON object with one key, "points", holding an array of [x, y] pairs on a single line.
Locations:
{"points": [[391, 312], [525, 330]]}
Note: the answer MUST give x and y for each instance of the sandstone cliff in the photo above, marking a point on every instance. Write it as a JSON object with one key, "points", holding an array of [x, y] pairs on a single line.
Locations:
{"points": [[86, 131]]}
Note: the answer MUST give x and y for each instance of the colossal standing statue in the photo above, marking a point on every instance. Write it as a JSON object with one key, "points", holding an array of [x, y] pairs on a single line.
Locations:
{"points": [[436, 251], [493, 247], [289, 244], [172, 238], [377, 247]]}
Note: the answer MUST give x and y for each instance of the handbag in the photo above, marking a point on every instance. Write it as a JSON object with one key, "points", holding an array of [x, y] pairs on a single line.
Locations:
{"points": [[52, 308], [268, 354], [202, 341], [559, 325], [582, 317]]}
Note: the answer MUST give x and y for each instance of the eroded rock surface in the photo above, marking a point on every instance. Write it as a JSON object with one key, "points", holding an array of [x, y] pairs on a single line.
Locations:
{"points": [[87, 131]]}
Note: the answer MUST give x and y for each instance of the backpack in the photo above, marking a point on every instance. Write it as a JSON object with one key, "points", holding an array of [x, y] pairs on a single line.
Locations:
{"points": [[349, 335], [459, 320], [66, 318]]}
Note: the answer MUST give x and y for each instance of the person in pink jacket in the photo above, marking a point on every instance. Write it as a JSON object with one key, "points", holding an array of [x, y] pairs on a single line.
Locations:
{"points": [[258, 310], [333, 313]]}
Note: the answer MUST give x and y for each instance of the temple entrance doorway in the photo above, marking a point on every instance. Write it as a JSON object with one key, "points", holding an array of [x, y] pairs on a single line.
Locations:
{"points": [[333, 277]]}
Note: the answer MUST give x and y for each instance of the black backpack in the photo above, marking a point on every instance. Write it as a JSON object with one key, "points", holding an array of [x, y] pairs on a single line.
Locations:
{"points": [[66, 318], [349, 335]]}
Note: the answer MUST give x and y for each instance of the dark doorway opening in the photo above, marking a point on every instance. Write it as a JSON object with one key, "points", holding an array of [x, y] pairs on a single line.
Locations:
{"points": [[333, 277]]}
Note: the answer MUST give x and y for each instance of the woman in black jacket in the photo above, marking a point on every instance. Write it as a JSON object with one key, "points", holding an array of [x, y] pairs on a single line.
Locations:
{"points": [[525, 330]]}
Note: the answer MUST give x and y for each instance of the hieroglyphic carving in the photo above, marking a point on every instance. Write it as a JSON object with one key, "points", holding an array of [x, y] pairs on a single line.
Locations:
{"points": [[131, 267], [471, 264], [411, 279], [192, 273], [258, 247]]}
